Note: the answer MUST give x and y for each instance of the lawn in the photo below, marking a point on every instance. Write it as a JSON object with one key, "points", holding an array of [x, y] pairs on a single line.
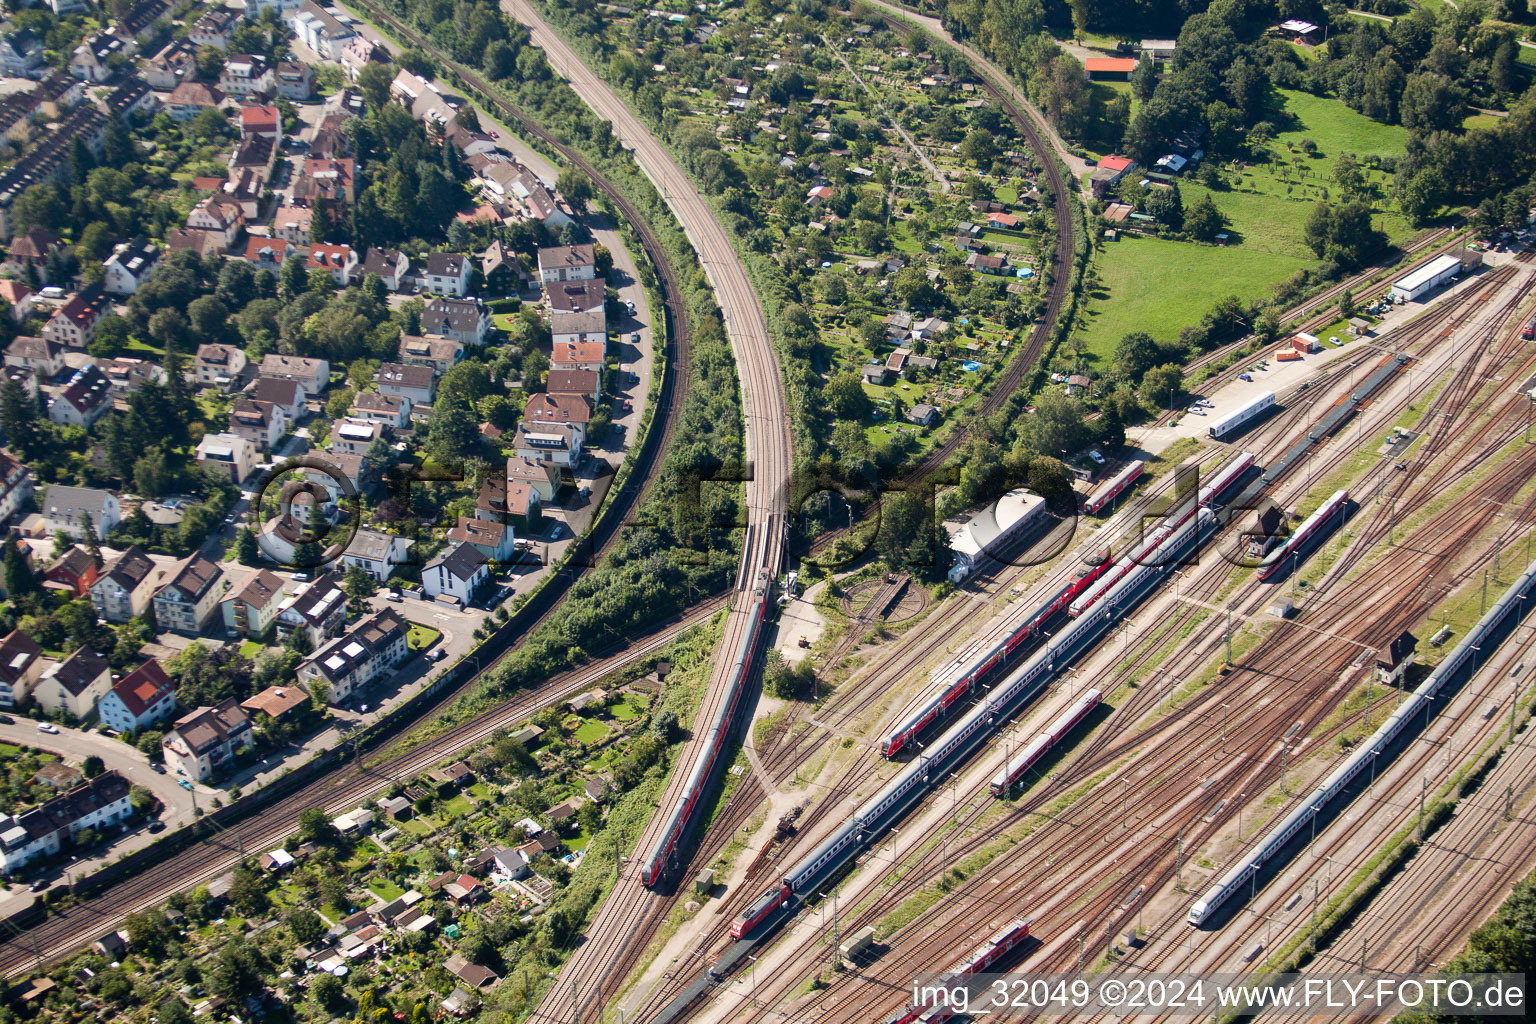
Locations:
{"points": [[385, 889], [11, 750], [420, 637], [591, 732], [458, 807], [1160, 286], [628, 709], [1336, 128], [483, 791], [416, 827], [250, 648]]}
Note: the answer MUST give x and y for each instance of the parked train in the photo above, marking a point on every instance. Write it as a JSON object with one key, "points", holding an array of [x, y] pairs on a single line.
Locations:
{"points": [[1114, 488], [1416, 707], [1244, 417], [1314, 529], [1025, 680], [957, 677], [719, 728], [1149, 552], [1037, 748], [982, 960]]}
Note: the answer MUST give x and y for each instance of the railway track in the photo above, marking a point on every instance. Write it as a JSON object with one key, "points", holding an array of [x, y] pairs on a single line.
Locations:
{"points": [[1066, 781]]}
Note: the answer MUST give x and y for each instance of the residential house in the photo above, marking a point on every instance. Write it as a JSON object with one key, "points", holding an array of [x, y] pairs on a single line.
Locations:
{"points": [[586, 383], [73, 572], [129, 373], [256, 156], [1108, 173], [987, 263], [466, 320], [276, 702], [567, 263], [359, 53], [191, 98], [126, 586], [129, 98], [171, 66], [378, 554], [447, 273], [74, 325], [219, 365], [320, 30], [32, 249], [458, 572], [368, 652], [545, 409], [21, 54], [578, 355], [354, 437], [205, 742], [578, 328], [190, 597], [90, 60], [416, 383], [294, 81], [291, 224], [21, 666], [139, 22], [266, 253], [284, 8], [66, 509], [440, 354], [141, 698], [75, 684], [228, 453], [19, 297], [214, 28], [392, 411], [85, 399], [220, 217], [287, 395], [501, 269], [252, 609], [262, 424], [875, 374], [337, 260], [392, 267], [42, 356], [204, 243], [98, 804], [129, 264], [314, 375], [493, 540], [541, 477], [246, 74], [559, 443], [576, 296], [319, 608], [325, 178], [15, 485]]}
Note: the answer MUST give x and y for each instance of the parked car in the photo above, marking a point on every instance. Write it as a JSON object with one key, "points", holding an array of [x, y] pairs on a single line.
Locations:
{"points": [[184, 784], [38, 885], [634, 339], [7, 719], [47, 727], [1245, 376], [1093, 453], [157, 768], [156, 826]]}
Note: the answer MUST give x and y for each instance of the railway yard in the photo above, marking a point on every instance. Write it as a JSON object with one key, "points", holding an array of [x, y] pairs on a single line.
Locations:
{"points": [[1107, 840]]}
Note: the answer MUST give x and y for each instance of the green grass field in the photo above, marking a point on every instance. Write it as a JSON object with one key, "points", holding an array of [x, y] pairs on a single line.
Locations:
{"points": [[420, 637], [1336, 128], [591, 732], [458, 807], [386, 889], [1160, 286]]}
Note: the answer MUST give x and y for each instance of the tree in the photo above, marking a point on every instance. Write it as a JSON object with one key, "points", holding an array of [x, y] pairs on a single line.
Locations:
{"points": [[373, 81], [173, 1011], [779, 677], [151, 743], [247, 892], [315, 827], [576, 187], [92, 766], [1202, 220], [359, 586], [142, 800], [328, 992], [1144, 78], [305, 925], [453, 433], [1431, 102], [1346, 304], [18, 417], [1135, 354], [1162, 384], [246, 548], [19, 579], [845, 397]]}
